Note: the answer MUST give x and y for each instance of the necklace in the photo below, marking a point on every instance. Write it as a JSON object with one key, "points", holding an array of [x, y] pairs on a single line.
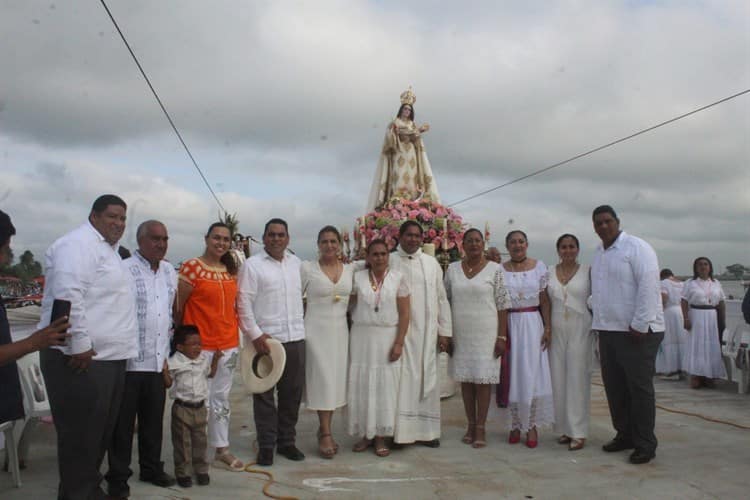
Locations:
{"points": [[566, 277], [334, 279], [513, 263], [706, 289], [474, 269], [377, 286]]}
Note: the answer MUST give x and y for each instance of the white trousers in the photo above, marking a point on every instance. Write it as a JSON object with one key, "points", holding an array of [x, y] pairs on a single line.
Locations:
{"points": [[570, 359], [218, 398]]}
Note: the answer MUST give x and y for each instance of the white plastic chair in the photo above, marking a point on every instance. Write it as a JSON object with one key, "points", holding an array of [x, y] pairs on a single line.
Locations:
{"points": [[35, 401], [740, 337], [11, 452]]}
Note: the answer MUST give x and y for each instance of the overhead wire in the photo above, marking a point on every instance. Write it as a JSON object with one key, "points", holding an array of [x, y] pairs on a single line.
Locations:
{"points": [[599, 148], [163, 108]]}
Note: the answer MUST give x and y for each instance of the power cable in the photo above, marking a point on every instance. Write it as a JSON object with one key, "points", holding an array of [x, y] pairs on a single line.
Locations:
{"points": [[558, 164], [163, 108]]}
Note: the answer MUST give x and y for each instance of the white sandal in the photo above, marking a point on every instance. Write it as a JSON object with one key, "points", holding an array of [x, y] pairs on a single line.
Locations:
{"points": [[226, 460]]}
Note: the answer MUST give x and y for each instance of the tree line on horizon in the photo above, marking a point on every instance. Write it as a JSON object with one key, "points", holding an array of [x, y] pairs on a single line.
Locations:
{"points": [[26, 269]]}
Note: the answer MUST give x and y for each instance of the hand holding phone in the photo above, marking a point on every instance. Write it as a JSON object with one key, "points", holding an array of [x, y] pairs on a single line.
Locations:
{"points": [[52, 334], [60, 309]]}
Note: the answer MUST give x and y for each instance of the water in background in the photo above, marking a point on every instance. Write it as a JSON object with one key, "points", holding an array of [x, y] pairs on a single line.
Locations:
{"points": [[733, 288]]}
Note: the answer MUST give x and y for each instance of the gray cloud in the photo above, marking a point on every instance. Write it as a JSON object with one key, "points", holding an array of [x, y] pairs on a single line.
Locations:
{"points": [[285, 105]]}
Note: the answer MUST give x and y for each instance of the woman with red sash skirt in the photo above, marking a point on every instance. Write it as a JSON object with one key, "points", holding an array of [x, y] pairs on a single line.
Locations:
{"points": [[530, 387]]}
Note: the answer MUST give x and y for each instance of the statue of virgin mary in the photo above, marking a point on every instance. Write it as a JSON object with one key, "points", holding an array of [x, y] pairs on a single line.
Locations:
{"points": [[403, 168]]}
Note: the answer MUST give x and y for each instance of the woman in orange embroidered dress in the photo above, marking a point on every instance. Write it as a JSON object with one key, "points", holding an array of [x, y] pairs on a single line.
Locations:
{"points": [[207, 293]]}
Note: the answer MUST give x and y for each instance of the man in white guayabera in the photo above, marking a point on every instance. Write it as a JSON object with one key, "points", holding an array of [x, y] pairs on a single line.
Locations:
{"points": [[85, 379], [628, 314]]}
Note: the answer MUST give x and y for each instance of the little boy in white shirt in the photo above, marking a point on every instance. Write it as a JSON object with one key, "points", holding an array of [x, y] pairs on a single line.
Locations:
{"points": [[187, 372]]}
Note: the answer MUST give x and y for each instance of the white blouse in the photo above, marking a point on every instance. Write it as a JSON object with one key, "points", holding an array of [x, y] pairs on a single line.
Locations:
{"points": [[673, 291], [378, 309], [572, 295], [698, 292]]}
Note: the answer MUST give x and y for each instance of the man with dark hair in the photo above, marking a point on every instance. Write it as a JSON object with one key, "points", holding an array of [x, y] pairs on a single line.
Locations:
{"points": [[7, 230], [85, 378], [154, 284], [269, 303], [418, 412], [627, 307]]}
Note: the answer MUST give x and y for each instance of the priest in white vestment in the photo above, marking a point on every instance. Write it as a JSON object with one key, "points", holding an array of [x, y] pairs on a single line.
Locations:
{"points": [[418, 410]]}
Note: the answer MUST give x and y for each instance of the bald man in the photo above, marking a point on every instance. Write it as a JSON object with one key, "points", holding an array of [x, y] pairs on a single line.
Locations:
{"points": [[493, 254]]}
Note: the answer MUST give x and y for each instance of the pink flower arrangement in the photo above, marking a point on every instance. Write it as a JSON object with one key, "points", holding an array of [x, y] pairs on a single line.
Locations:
{"points": [[442, 226]]}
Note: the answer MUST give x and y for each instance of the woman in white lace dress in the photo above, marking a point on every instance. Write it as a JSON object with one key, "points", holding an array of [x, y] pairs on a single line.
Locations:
{"points": [[479, 300], [530, 394], [380, 321], [672, 354], [704, 311], [327, 284], [571, 352]]}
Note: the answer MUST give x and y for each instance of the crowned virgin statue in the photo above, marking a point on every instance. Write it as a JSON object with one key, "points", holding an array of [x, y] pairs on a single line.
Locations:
{"points": [[403, 169]]}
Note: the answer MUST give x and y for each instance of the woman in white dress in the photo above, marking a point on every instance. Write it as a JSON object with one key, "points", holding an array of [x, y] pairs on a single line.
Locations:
{"points": [[672, 354], [704, 311], [479, 303], [530, 392], [380, 320], [327, 284], [572, 346]]}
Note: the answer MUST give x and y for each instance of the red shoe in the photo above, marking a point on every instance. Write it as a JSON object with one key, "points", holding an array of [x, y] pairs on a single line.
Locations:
{"points": [[531, 443], [514, 437]]}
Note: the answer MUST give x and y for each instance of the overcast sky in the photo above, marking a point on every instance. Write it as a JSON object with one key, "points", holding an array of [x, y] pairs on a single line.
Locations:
{"points": [[284, 105]]}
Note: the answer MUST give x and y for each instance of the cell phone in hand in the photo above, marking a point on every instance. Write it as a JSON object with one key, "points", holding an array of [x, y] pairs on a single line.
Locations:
{"points": [[60, 308]]}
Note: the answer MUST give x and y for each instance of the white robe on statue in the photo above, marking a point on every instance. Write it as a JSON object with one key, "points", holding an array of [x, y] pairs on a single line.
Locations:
{"points": [[403, 168], [418, 415]]}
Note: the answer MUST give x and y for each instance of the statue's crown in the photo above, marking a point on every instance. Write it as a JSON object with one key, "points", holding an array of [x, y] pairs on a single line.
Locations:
{"points": [[408, 97]]}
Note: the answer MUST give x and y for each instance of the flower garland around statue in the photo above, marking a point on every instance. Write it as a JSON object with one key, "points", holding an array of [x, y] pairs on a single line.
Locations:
{"points": [[442, 226]]}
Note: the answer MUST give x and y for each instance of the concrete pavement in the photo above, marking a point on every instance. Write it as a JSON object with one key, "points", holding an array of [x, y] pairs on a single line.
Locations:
{"points": [[696, 459]]}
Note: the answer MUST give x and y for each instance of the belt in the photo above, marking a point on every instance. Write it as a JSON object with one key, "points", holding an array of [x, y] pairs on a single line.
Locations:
{"points": [[695, 306], [189, 404], [525, 309]]}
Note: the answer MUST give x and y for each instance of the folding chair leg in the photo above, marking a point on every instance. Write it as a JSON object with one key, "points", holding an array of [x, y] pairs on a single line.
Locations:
{"points": [[11, 452]]}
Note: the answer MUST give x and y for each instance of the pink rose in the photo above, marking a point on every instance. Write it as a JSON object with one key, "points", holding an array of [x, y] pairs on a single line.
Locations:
{"points": [[431, 233]]}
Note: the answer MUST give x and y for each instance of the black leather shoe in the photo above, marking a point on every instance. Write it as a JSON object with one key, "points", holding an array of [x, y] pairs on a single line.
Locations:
{"points": [[203, 479], [118, 490], [265, 456], [641, 457], [618, 445], [291, 452], [110, 496], [435, 443], [185, 482], [161, 479]]}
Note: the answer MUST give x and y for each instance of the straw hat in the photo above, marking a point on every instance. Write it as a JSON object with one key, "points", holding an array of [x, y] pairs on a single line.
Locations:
{"points": [[261, 372]]}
